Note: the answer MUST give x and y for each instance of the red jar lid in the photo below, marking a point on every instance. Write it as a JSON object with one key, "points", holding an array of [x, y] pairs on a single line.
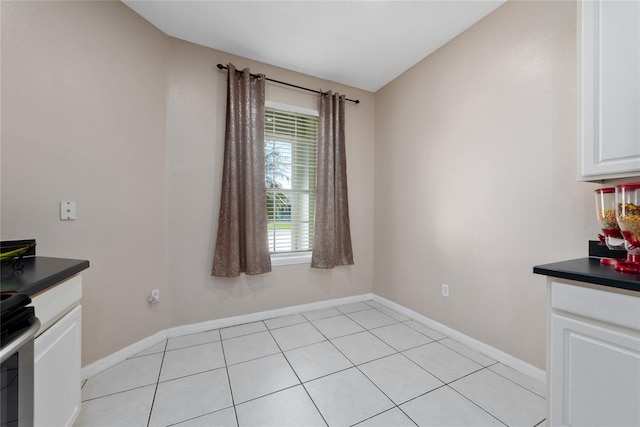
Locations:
{"points": [[606, 190], [629, 186]]}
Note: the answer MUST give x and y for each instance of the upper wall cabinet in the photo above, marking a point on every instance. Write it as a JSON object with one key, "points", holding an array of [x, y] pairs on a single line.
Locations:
{"points": [[610, 84]]}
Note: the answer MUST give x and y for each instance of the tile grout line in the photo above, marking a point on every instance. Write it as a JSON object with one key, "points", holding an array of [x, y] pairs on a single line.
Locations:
{"points": [[320, 318], [193, 345], [410, 360], [342, 336], [326, 375], [516, 383], [189, 375], [479, 370], [407, 415], [444, 384], [395, 405], [155, 391], [330, 340], [420, 395], [286, 326], [198, 416], [354, 311], [357, 366], [374, 384], [383, 412], [123, 390], [359, 370], [117, 392], [377, 327], [226, 367], [298, 377], [541, 421], [476, 404], [483, 366], [264, 395], [251, 360], [243, 335]]}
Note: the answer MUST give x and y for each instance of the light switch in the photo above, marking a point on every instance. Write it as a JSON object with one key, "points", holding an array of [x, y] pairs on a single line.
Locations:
{"points": [[67, 210]]}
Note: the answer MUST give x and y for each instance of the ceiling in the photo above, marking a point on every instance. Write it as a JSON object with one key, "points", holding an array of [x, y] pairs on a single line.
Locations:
{"points": [[364, 44]]}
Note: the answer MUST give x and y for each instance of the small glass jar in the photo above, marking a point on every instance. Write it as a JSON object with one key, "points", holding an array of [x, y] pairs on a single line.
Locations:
{"points": [[606, 211], [628, 216]]}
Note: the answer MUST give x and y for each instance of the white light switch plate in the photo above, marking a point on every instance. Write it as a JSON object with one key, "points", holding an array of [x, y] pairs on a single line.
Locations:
{"points": [[67, 210]]}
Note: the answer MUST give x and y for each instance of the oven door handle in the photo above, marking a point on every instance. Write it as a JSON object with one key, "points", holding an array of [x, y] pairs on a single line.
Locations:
{"points": [[11, 348]]}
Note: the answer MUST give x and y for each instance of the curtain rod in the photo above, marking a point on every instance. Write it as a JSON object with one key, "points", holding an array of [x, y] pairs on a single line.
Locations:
{"points": [[355, 101]]}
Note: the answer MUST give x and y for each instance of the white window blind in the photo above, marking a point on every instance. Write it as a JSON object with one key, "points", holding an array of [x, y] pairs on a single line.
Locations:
{"points": [[290, 155]]}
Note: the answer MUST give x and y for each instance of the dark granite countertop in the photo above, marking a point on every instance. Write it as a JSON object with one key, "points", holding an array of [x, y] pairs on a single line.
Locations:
{"points": [[590, 270], [39, 274]]}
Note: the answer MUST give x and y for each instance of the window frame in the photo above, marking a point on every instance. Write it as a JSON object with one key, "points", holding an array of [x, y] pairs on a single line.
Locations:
{"points": [[298, 257]]}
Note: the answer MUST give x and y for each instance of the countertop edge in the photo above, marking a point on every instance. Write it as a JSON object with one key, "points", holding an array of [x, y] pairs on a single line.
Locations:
{"points": [[41, 273], [56, 278], [604, 275]]}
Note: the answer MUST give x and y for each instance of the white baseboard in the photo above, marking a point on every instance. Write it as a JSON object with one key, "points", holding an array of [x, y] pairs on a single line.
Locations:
{"points": [[494, 353], [263, 315], [120, 355], [499, 355]]}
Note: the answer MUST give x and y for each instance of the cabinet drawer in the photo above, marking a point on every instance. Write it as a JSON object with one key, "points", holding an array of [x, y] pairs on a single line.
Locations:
{"points": [[52, 304], [618, 309]]}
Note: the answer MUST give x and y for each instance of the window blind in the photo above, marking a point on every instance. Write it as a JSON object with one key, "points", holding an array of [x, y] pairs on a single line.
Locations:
{"points": [[290, 156]]}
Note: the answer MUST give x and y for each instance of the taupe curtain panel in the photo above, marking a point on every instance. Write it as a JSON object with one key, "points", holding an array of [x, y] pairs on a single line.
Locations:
{"points": [[241, 243], [332, 232]]}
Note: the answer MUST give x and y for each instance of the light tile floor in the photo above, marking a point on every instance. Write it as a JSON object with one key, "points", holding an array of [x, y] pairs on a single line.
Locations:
{"points": [[356, 364]]}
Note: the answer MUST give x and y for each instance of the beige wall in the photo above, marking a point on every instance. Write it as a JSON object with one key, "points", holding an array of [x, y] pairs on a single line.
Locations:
{"points": [[196, 118], [83, 113], [475, 177], [474, 172], [101, 108]]}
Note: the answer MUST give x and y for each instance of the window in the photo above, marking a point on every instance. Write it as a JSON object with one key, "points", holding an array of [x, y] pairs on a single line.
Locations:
{"points": [[290, 155]]}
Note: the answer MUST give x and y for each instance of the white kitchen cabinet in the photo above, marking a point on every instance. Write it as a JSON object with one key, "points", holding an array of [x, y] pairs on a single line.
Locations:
{"points": [[57, 348], [593, 366], [609, 55], [57, 372]]}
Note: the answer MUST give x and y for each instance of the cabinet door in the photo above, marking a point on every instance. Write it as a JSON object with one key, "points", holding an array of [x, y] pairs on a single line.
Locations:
{"points": [[594, 375], [57, 372], [610, 72]]}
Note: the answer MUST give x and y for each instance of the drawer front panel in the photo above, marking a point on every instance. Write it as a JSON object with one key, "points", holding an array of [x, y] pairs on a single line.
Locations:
{"points": [[618, 309]]}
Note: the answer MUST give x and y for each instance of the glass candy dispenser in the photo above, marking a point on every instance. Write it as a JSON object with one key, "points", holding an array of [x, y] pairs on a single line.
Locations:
{"points": [[628, 216], [606, 211]]}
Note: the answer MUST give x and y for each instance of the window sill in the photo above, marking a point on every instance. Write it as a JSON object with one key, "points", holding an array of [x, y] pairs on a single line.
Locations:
{"points": [[291, 258]]}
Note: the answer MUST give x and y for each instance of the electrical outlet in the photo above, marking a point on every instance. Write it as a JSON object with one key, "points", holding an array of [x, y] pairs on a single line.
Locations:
{"points": [[154, 297], [445, 290]]}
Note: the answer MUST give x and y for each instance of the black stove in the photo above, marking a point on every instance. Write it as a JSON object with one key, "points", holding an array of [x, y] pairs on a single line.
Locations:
{"points": [[18, 326]]}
